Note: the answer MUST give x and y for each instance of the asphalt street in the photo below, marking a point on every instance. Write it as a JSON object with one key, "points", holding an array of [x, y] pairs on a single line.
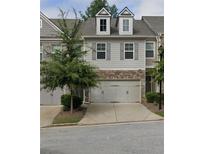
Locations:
{"points": [[131, 138]]}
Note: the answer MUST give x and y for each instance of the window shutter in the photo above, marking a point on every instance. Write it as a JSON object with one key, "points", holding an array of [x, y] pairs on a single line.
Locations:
{"points": [[121, 51], [136, 51], [94, 51], [108, 51]]}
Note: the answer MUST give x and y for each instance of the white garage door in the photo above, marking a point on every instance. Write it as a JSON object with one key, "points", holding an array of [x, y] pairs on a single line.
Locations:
{"points": [[116, 91]]}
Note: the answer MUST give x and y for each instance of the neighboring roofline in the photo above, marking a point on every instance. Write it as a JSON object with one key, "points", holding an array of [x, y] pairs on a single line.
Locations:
{"points": [[117, 36], [50, 22], [105, 11], [149, 25], [132, 14]]}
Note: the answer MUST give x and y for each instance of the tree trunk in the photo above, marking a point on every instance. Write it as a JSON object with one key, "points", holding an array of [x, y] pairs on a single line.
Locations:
{"points": [[160, 95], [71, 101]]}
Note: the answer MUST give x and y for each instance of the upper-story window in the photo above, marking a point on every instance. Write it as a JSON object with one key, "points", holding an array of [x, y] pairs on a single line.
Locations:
{"points": [[103, 25], [125, 25], [101, 50], [150, 49], [41, 23], [129, 50]]}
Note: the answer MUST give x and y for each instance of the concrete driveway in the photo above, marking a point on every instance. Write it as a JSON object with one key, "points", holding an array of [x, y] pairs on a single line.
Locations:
{"points": [[98, 113], [48, 113]]}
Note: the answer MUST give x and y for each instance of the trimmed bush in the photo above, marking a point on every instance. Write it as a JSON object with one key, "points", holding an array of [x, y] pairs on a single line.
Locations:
{"points": [[66, 100], [152, 97]]}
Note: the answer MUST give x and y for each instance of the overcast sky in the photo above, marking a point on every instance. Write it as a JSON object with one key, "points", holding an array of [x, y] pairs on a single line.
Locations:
{"points": [[138, 7]]}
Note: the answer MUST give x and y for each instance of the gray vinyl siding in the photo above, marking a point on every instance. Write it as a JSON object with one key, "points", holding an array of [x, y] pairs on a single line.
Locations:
{"points": [[47, 30], [116, 61]]}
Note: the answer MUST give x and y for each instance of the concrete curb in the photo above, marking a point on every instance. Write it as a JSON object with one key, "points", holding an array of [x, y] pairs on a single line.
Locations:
{"points": [[99, 124], [62, 124]]}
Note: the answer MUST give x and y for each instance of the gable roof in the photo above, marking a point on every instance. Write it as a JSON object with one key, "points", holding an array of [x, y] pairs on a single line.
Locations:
{"points": [[140, 28], [126, 12], [103, 12], [50, 22], [155, 23]]}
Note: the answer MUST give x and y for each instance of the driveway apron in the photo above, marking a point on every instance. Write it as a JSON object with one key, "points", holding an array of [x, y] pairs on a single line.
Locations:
{"points": [[99, 113]]}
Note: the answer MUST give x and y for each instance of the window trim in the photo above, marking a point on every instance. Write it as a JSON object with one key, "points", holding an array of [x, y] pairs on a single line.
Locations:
{"points": [[105, 25], [101, 51], [153, 50], [123, 25], [132, 50]]}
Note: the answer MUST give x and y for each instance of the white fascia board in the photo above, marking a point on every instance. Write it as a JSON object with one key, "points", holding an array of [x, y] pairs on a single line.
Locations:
{"points": [[125, 9], [103, 9], [50, 22]]}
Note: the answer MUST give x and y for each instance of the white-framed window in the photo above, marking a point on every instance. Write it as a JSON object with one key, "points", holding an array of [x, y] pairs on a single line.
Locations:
{"points": [[125, 25], [150, 49], [41, 23], [103, 25], [129, 50], [101, 50], [56, 48], [41, 52]]}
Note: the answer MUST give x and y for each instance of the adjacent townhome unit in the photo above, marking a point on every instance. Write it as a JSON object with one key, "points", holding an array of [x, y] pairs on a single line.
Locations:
{"points": [[122, 48]]}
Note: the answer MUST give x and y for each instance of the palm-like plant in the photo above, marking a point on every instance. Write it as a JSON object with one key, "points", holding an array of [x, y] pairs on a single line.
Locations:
{"points": [[158, 73]]}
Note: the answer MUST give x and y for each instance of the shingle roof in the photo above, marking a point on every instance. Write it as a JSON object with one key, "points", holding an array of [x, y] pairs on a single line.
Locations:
{"points": [[156, 23], [88, 28]]}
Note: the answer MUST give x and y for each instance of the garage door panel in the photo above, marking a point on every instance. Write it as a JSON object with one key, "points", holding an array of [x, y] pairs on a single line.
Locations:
{"points": [[116, 91]]}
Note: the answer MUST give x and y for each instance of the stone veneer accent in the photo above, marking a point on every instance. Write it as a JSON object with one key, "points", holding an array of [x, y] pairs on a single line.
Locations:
{"points": [[121, 74]]}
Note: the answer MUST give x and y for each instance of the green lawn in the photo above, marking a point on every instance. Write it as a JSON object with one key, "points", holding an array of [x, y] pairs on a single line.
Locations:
{"points": [[67, 117]]}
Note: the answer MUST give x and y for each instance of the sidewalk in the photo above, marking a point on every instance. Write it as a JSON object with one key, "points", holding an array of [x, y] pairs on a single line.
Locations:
{"points": [[48, 113]]}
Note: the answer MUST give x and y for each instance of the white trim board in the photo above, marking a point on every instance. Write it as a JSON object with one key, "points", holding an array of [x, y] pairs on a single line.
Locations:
{"points": [[49, 22], [103, 9]]}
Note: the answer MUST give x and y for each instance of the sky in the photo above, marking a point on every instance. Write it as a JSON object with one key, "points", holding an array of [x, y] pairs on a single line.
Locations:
{"points": [[139, 7]]}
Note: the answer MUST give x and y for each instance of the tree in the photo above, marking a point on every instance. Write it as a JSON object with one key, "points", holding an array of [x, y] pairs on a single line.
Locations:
{"points": [[96, 6], [66, 68], [158, 73]]}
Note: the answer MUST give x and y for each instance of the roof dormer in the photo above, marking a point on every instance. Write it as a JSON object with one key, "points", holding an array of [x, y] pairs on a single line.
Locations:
{"points": [[126, 22], [103, 22]]}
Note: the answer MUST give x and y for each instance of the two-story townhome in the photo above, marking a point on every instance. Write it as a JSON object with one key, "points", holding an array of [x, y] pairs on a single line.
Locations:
{"points": [[122, 48]]}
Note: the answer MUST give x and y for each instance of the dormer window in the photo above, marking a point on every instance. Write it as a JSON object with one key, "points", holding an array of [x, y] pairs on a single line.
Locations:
{"points": [[103, 22], [103, 25], [126, 19], [125, 25]]}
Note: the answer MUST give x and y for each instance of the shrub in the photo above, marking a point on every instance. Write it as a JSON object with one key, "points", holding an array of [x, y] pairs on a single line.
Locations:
{"points": [[152, 97], [66, 100]]}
